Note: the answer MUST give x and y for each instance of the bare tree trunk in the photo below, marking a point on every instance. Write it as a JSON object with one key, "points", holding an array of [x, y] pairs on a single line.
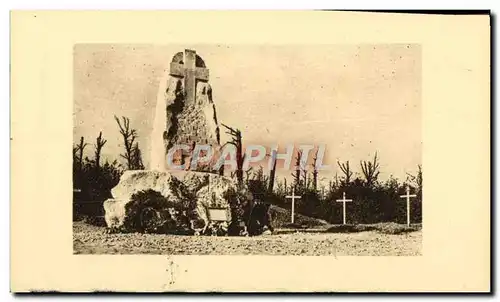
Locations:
{"points": [[272, 173], [236, 141], [80, 147], [315, 173], [129, 136], [100, 142], [296, 176]]}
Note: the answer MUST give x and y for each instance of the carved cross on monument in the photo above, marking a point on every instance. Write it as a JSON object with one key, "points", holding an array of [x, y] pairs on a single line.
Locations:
{"points": [[407, 196], [343, 200], [293, 197], [191, 68]]}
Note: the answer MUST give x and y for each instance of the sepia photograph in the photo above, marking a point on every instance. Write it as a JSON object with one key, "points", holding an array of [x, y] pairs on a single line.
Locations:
{"points": [[247, 150], [250, 152]]}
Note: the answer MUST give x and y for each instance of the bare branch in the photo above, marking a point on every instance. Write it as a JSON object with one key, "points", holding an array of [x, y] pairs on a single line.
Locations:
{"points": [[370, 170], [100, 142], [240, 157], [344, 167], [129, 137]]}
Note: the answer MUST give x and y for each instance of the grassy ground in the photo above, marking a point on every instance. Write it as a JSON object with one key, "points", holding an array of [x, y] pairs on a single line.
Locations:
{"points": [[89, 239], [391, 228], [281, 220]]}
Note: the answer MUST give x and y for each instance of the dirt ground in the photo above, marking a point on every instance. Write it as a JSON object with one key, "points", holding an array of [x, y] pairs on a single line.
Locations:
{"points": [[88, 239]]}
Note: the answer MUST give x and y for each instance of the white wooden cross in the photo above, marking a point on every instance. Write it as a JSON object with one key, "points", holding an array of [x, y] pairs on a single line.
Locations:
{"points": [[293, 197], [407, 196], [343, 200]]}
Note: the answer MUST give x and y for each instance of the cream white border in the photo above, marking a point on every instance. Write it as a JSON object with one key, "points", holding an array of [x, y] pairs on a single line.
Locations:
{"points": [[455, 157]]}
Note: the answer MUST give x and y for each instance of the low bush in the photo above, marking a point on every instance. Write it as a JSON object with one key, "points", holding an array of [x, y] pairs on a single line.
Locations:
{"points": [[93, 220], [281, 219], [393, 228], [390, 228], [350, 228], [151, 212]]}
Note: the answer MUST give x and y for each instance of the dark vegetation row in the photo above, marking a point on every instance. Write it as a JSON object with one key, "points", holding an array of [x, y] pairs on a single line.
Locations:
{"points": [[374, 200]]}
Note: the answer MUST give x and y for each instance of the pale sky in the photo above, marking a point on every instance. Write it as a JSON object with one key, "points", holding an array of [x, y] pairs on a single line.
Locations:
{"points": [[355, 99]]}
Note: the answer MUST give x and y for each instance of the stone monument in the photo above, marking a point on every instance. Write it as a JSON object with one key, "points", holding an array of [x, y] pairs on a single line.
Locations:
{"points": [[185, 114], [189, 115]]}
